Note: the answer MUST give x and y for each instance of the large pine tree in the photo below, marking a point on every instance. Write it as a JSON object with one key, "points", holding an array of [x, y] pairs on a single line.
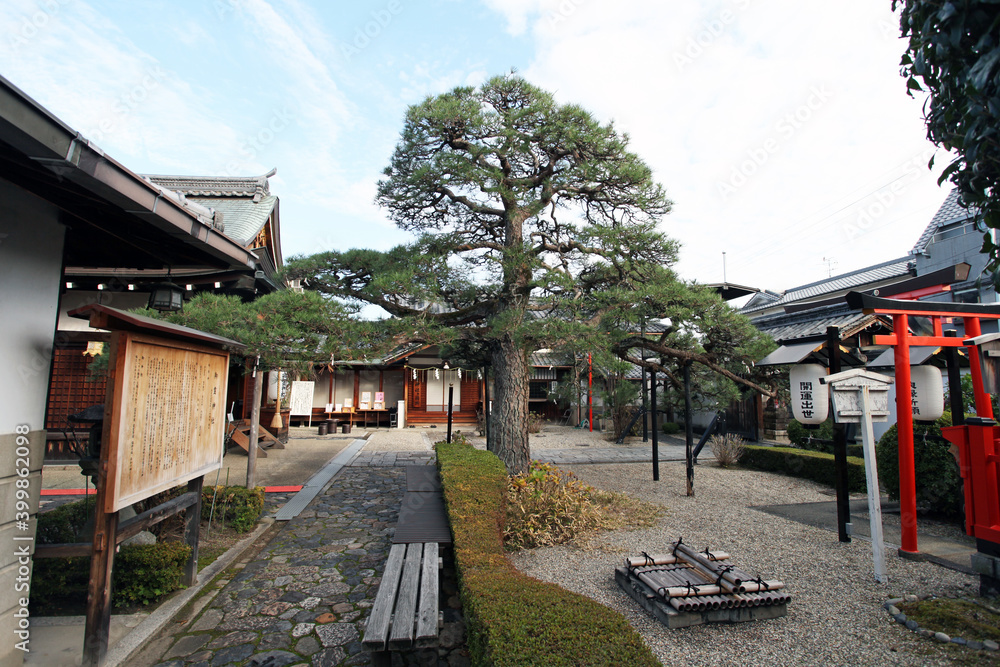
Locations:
{"points": [[535, 227]]}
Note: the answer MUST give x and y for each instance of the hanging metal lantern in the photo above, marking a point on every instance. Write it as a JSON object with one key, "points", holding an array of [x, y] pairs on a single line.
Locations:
{"points": [[927, 393], [810, 398], [166, 297]]}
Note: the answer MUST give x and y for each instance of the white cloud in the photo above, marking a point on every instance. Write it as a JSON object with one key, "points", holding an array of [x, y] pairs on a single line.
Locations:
{"points": [[808, 122]]}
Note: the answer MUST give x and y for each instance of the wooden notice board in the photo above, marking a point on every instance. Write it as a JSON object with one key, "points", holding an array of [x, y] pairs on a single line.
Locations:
{"points": [[300, 399], [165, 415]]}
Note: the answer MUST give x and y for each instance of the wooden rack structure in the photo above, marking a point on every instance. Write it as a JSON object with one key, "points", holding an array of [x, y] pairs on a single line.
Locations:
{"points": [[686, 587]]}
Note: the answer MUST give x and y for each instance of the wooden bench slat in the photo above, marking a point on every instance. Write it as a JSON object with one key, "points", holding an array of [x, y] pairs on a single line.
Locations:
{"points": [[427, 614], [406, 606], [377, 630]]}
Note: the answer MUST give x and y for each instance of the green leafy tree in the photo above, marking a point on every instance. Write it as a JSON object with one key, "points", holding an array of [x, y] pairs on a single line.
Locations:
{"points": [[954, 51], [534, 226]]}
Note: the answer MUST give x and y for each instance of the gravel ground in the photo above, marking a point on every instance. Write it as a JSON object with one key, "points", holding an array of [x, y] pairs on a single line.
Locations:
{"points": [[836, 615], [568, 437]]}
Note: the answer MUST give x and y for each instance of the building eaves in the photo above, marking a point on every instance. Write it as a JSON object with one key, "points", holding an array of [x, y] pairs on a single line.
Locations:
{"points": [[950, 211], [895, 268], [253, 187], [785, 328], [242, 219], [47, 157]]}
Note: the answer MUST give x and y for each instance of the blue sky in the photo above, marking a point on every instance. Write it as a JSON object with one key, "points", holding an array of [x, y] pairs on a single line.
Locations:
{"points": [[781, 130]]}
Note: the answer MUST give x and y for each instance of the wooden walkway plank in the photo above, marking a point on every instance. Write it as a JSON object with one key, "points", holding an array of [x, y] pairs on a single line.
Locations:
{"points": [[406, 606], [377, 630], [427, 614]]}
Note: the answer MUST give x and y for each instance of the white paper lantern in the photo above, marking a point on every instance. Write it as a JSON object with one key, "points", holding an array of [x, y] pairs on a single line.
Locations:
{"points": [[810, 399], [926, 393]]}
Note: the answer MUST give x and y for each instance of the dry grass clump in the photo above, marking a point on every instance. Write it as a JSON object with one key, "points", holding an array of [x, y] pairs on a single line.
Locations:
{"points": [[728, 448], [547, 506]]}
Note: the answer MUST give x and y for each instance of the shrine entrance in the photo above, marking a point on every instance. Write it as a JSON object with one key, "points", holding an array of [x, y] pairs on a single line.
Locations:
{"points": [[904, 315]]}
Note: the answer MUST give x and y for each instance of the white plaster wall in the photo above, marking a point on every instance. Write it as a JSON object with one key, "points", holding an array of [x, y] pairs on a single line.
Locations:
{"points": [[31, 248]]}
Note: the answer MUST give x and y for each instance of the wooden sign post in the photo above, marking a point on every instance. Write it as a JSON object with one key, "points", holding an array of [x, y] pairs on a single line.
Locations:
{"points": [[164, 425], [860, 396]]}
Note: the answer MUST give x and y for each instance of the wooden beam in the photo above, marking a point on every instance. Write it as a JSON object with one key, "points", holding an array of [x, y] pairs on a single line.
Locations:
{"points": [[921, 341], [192, 525], [65, 550], [155, 515]]}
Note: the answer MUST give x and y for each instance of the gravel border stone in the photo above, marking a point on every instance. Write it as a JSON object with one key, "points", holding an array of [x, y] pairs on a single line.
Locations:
{"points": [[900, 617]]}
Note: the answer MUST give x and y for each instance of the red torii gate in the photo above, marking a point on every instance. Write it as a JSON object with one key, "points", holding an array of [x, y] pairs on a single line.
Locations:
{"points": [[901, 340]]}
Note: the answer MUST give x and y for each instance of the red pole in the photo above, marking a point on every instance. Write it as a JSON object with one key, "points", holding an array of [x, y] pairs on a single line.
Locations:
{"points": [[904, 427], [984, 407], [590, 393]]}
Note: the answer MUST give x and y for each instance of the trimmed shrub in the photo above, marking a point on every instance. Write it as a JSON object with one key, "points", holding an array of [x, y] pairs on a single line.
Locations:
{"points": [[144, 573], [236, 506], [939, 484], [671, 428], [804, 463], [511, 618]]}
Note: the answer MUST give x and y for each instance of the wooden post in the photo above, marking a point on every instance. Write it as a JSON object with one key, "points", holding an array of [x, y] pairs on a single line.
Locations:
{"points": [[839, 447], [954, 382], [254, 424], [871, 476], [451, 398], [98, 620], [486, 405], [904, 429], [656, 441], [590, 391], [645, 407], [192, 528], [688, 429], [984, 406], [102, 553]]}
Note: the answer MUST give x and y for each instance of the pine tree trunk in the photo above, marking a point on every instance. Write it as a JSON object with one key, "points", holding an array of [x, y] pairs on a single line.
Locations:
{"points": [[509, 416]]}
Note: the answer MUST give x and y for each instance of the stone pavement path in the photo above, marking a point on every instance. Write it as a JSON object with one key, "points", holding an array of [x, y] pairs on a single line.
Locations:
{"points": [[303, 600]]}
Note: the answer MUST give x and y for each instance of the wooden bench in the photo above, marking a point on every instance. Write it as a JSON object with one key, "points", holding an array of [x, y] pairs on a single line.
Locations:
{"points": [[405, 613]]}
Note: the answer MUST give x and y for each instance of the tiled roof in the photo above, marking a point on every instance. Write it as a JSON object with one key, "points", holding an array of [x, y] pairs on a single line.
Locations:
{"points": [[242, 219], [813, 323], [895, 268], [243, 203], [764, 298], [217, 186], [549, 359], [950, 211]]}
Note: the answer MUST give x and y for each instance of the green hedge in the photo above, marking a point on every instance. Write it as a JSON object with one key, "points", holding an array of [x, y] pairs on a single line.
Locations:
{"points": [[236, 506], [513, 619], [816, 466], [142, 573]]}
